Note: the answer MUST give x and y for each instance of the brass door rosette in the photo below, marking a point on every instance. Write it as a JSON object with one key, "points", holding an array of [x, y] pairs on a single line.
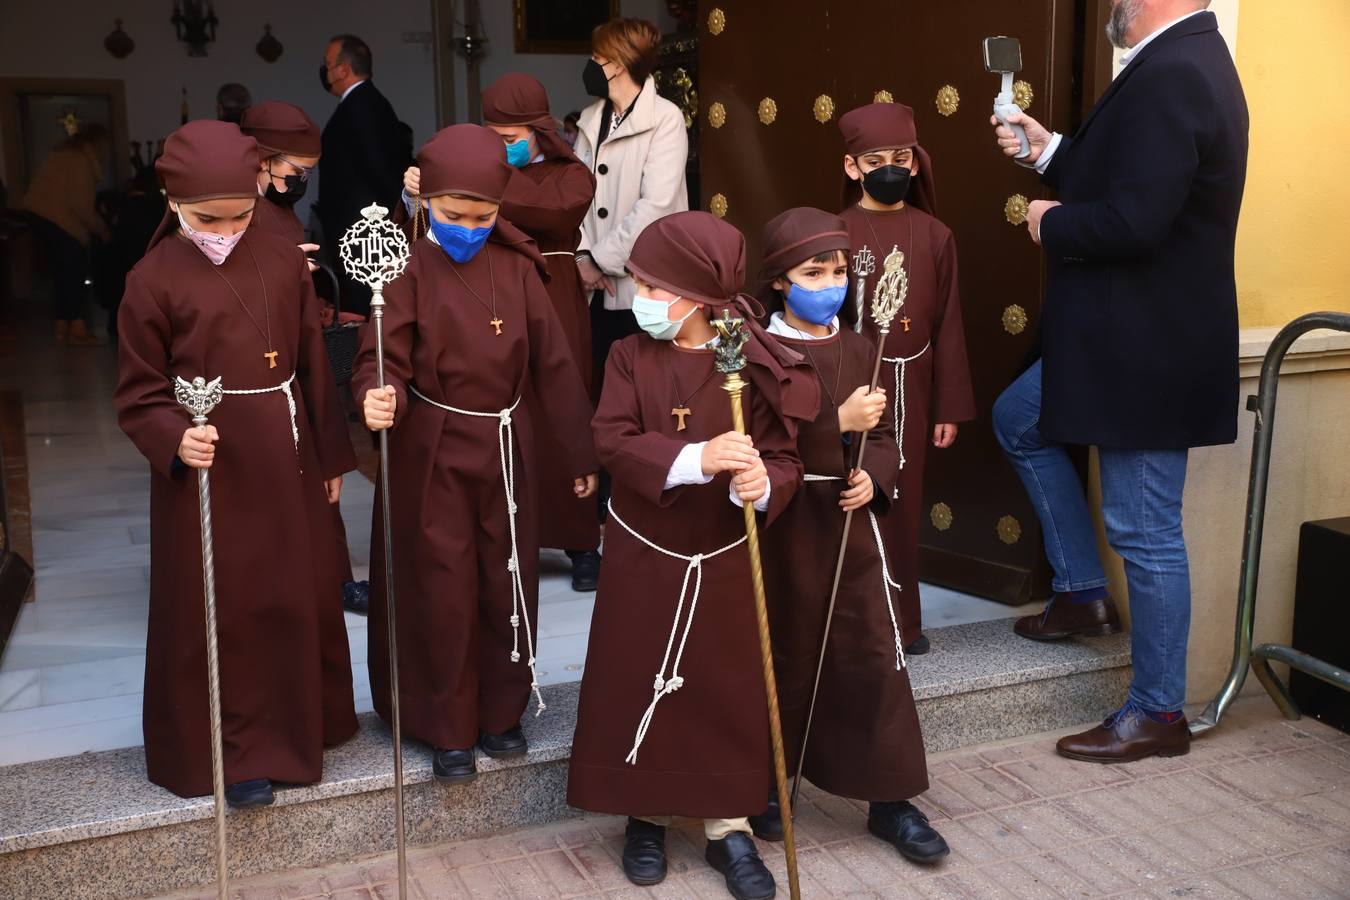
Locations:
{"points": [[948, 100], [717, 205], [1014, 319], [1009, 530], [883, 96], [1016, 209], [941, 516], [1023, 94], [823, 108], [717, 21], [768, 111], [717, 114]]}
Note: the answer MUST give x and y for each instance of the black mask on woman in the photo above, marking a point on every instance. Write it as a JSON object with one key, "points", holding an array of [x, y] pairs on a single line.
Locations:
{"points": [[295, 189], [887, 185], [594, 80]]}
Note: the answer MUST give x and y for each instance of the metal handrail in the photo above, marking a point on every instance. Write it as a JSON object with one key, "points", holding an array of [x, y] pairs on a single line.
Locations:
{"points": [[1263, 404]]}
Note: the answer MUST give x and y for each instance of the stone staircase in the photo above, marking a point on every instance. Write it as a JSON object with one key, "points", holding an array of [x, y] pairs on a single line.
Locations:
{"points": [[91, 826]]}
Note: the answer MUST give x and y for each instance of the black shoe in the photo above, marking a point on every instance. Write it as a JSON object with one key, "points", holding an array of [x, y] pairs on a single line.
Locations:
{"points": [[768, 825], [904, 825], [356, 597], [453, 766], [919, 647], [254, 792], [585, 570], [644, 852], [737, 858], [505, 745]]}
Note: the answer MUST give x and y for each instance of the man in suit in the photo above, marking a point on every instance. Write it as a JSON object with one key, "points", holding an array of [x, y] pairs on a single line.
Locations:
{"points": [[364, 153], [1139, 346]]}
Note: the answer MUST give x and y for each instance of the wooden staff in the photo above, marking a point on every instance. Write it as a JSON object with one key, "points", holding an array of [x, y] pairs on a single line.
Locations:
{"points": [[887, 299], [374, 251], [730, 361], [200, 397]]}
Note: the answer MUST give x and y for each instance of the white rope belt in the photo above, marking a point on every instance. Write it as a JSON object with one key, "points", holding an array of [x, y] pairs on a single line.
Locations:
{"points": [[559, 253], [285, 388], [886, 581], [663, 685], [506, 450], [898, 398]]}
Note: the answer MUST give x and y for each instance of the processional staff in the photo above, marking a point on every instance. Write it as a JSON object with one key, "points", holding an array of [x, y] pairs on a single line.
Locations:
{"points": [[730, 360], [374, 252]]}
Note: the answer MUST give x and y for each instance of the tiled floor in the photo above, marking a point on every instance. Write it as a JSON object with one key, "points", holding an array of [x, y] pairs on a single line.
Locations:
{"points": [[1259, 809], [70, 680]]}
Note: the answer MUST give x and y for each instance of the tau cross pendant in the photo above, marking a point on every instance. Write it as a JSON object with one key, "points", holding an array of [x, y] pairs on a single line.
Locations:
{"points": [[905, 322], [271, 356], [497, 324], [680, 412]]}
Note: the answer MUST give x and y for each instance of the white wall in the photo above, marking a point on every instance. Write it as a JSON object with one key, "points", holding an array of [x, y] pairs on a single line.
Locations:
{"points": [[65, 40], [560, 73]]}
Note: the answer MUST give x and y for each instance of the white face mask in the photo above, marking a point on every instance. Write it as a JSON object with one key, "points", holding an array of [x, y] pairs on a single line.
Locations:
{"points": [[217, 247], [653, 317]]}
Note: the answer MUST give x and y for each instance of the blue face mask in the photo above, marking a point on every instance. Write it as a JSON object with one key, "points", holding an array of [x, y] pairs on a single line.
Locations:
{"points": [[817, 307], [518, 153], [459, 243], [653, 317]]}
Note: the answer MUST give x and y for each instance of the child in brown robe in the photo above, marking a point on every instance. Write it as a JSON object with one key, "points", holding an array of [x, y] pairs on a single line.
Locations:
{"points": [[467, 330], [675, 593], [289, 144], [865, 740], [547, 197], [888, 207], [214, 297]]}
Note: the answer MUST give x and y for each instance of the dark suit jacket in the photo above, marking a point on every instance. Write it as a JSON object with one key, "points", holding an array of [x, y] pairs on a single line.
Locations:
{"points": [[1140, 325], [364, 156]]}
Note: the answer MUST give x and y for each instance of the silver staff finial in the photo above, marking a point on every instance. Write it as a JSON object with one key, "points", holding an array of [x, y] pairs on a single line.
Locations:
{"points": [[374, 250], [891, 289], [198, 396]]}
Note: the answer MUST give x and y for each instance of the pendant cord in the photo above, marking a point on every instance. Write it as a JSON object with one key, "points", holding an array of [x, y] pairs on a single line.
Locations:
{"points": [[675, 383], [492, 282], [806, 342], [267, 312]]}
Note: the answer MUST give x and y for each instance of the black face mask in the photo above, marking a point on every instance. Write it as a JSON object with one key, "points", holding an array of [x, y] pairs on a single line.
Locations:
{"points": [[323, 78], [594, 80], [295, 189], [887, 185]]}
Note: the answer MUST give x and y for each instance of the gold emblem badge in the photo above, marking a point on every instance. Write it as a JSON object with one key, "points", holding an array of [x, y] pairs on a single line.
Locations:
{"points": [[1009, 530], [948, 101], [883, 96], [1023, 94], [1014, 319], [718, 205], [941, 516], [823, 108], [768, 111], [717, 20], [1016, 209], [717, 115]]}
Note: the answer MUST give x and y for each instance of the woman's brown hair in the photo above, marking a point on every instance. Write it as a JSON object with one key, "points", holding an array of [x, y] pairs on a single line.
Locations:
{"points": [[633, 42]]}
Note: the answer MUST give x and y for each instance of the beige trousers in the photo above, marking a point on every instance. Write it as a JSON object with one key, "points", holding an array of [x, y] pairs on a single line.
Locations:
{"points": [[714, 829]]}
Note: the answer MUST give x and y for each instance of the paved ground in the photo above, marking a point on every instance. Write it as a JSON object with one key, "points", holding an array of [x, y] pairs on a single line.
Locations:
{"points": [[1260, 809]]}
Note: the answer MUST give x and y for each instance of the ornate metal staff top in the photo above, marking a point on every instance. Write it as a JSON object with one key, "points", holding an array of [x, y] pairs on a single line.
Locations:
{"points": [[374, 251], [729, 353], [891, 289], [198, 397]]}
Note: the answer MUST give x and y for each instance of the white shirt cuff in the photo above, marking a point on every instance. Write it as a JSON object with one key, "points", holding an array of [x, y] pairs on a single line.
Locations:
{"points": [[688, 467], [1048, 153], [761, 505]]}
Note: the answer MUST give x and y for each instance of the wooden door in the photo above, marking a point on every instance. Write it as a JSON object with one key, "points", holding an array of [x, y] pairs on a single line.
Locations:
{"points": [[774, 79]]}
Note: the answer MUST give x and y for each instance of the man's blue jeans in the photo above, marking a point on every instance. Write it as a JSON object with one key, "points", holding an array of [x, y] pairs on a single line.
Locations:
{"points": [[1141, 506]]}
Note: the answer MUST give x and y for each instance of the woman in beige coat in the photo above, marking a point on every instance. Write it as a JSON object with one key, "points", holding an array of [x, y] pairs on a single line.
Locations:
{"points": [[635, 143]]}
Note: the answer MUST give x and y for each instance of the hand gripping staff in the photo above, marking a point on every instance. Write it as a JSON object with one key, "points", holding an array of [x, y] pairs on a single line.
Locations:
{"points": [[887, 298], [374, 252], [199, 397], [730, 360]]}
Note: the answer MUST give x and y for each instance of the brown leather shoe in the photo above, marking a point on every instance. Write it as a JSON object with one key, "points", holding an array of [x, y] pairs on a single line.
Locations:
{"points": [[1127, 735], [1064, 618]]}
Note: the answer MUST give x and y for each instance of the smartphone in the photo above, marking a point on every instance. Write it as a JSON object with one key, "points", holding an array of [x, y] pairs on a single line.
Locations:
{"points": [[1002, 54]]}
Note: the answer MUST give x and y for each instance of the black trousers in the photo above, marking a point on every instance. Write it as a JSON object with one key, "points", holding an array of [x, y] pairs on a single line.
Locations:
{"points": [[68, 261]]}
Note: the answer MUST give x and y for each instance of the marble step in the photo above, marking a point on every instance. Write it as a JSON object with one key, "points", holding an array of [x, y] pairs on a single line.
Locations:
{"points": [[91, 826]]}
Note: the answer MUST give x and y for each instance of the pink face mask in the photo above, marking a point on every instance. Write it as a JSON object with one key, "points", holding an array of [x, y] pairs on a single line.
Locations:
{"points": [[217, 247]]}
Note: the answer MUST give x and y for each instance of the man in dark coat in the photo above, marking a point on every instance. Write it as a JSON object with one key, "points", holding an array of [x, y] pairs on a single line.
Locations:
{"points": [[1139, 346], [364, 153]]}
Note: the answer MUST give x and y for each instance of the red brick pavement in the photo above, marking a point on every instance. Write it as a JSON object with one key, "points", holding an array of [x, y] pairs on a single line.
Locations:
{"points": [[1260, 808]]}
